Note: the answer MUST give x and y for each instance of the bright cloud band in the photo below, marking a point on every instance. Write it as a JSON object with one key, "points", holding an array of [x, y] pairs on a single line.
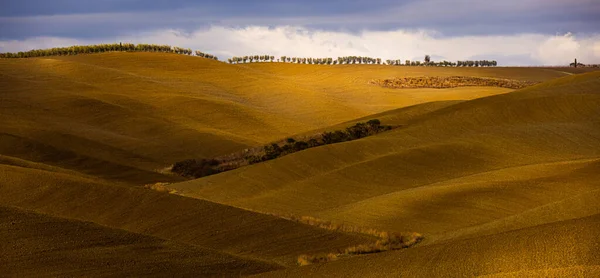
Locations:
{"points": [[225, 42]]}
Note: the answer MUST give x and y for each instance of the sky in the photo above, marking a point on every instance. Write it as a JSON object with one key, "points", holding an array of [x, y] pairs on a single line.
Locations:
{"points": [[512, 32]]}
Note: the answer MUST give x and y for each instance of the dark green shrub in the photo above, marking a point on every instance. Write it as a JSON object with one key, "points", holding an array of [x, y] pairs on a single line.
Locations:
{"points": [[196, 168], [272, 151], [287, 148], [253, 159], [313, 143], [334, 137], [205, 167], [184, 167], [358, 131], [300, 145], [375, 123]]}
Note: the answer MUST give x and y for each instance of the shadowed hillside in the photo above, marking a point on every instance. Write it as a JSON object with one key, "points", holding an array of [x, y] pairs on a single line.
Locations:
{"points": [[184, 220], [454, 171], [37, 244]]}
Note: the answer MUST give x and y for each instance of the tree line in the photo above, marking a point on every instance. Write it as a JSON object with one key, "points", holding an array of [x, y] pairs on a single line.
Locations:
{"points": [[250, 58], [347, 60], [196, 168], [99, 48], [305, 60]]}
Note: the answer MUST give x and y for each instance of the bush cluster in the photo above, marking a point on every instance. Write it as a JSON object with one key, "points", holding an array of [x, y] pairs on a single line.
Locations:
{"points": [[193, 168], [354, 132]]}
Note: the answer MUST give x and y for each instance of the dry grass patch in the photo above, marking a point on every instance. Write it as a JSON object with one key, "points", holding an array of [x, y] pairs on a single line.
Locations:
{"points": [[315, 259], [161, 187], [386, 240], [450, 82], [387, 243]]}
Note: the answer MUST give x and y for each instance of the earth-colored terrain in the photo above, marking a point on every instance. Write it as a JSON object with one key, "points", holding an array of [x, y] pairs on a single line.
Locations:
{"points": [[499, 182]]}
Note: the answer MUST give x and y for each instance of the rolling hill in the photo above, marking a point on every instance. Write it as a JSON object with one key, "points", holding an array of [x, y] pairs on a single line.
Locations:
{"points": [[454, 172], [196, 223], [500, 182], [559, 249], [122, 116], [37, 244]]}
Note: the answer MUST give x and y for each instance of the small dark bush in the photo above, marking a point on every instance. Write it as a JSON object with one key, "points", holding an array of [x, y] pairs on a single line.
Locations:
{"points": [[272, 151], [358, 131], [313, 143], [196, 168], [334, 137], [253, 159], [184, 167], [375, 123], [287, 148], [300, 145]]}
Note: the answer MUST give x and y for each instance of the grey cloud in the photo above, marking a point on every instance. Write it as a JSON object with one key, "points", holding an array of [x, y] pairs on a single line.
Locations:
{"points": [[450, 18], [520, 49]]}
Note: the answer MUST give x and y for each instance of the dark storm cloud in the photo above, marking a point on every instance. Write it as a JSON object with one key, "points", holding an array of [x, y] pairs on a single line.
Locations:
{"points": [[103, 18]]}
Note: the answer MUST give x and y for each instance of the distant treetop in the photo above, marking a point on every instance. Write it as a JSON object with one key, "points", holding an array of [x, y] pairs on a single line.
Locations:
{"points": [[99, 48]]}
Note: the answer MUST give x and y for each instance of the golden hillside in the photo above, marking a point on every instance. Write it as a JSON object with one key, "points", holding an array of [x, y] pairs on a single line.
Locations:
{"points": [[454, 171], [484, 173], [121, 116], [559, 249]]}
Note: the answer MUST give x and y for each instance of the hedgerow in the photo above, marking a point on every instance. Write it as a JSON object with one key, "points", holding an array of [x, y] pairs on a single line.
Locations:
{"points": [[100, 48], [193, 168]]}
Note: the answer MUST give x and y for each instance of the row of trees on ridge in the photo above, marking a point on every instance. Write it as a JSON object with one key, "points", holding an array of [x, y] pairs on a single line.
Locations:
{"points": [[305, 60], [359, 60], [99, 48]]}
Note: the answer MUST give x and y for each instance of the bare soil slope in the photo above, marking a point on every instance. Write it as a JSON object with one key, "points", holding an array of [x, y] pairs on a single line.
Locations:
{"points": [[121, 116], [559, 249], [40, 245], [76, 132], [456, 172], [189, 222]]}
